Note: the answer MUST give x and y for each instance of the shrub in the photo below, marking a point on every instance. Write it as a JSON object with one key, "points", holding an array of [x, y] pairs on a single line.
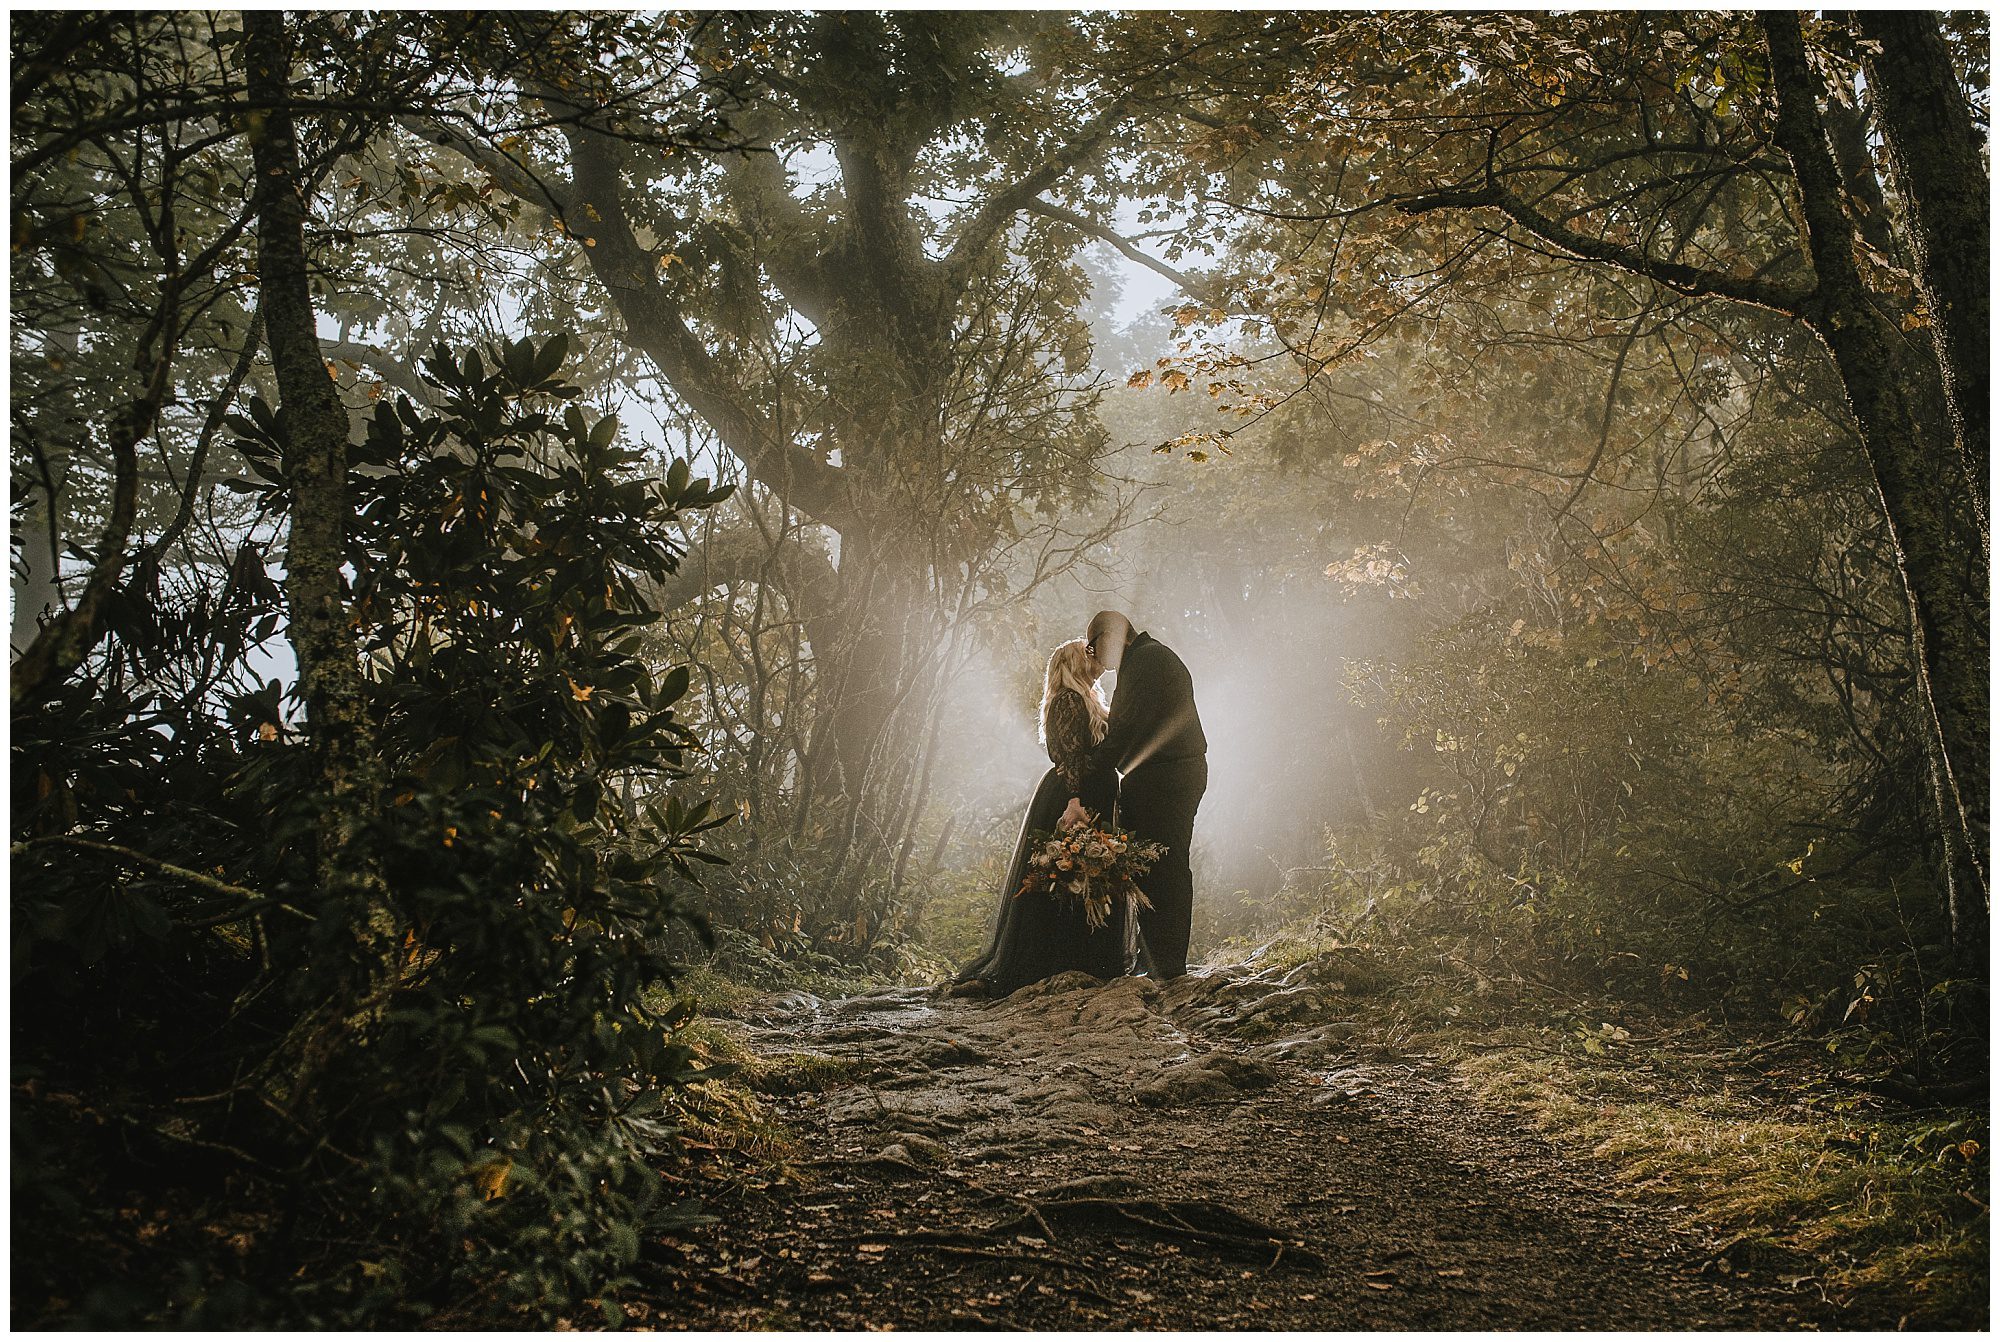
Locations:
{"points": [[477, 1111]]}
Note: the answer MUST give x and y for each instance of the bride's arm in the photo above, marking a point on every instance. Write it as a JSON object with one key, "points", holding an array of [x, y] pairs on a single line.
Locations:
{"points": [[1068, 733]]}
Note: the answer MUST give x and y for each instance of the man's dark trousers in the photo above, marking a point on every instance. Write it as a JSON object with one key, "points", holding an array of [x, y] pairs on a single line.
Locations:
{"points": [[1157, 802]]}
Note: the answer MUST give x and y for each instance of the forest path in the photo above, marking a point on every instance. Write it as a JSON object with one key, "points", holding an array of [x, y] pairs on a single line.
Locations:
{"points": [[1083, 1156]]}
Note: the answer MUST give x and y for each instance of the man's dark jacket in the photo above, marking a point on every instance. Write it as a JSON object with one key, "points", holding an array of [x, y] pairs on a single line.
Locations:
{"points": [[1153, 719]]}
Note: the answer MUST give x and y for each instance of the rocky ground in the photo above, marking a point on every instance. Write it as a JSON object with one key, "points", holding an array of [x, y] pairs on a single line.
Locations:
{"points": [[1206, 1155]]}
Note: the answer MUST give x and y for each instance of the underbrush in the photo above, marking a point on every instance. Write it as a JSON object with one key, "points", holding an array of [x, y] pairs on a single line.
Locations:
{"points": [[1759, 1136], [739, 969]]}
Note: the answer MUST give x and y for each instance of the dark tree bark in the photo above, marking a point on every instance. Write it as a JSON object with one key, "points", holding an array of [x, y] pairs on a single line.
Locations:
{"points": [[1941, 172], [1848, 127], [1939, 547], [316, 428]]}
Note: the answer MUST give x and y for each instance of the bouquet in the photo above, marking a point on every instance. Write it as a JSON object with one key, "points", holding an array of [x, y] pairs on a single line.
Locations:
{"points": [[1092, 865]]}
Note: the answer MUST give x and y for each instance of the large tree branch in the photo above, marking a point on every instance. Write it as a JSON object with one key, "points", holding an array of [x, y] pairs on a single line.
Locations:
{"points": [[597, 217], [1693, 281], [253, 900], [1188, 284], [992, 216], [786, 244], [745, 554], [508, 172]]}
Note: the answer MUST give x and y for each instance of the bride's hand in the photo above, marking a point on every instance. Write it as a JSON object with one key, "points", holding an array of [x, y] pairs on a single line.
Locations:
{"points": [[1073, 815]]}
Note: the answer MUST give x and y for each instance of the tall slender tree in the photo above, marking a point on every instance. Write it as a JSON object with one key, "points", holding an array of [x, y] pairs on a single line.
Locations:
{"points": [[315, 464]]}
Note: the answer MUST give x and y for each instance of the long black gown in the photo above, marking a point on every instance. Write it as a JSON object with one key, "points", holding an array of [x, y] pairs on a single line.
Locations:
{"points": [[1035, 935]]}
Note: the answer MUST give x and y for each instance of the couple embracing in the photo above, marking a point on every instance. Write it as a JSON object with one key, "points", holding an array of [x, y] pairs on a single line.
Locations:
{"points": [[1151, 736]]}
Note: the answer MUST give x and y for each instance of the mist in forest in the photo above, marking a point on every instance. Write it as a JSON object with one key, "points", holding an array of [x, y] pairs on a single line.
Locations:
{"points": [[528, 528]]}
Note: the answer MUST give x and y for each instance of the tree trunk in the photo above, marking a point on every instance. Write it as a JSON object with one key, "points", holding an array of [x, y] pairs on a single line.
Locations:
{"points": [[316, 428], [1941, 172], [1940, 553], [1848, 127]]}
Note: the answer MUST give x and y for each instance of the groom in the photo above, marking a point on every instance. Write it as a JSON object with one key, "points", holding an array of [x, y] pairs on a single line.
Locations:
{"points": [[1154, 739]]}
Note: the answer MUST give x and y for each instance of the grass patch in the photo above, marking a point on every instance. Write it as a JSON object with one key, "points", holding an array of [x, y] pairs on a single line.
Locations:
{"points": [[1885, 1202], [713, 992], [726, 1114], [1755, 1136]]}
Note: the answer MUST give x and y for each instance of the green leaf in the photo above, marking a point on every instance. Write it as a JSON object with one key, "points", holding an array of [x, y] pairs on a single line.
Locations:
{"points": [[603, 432], [549, 361]]}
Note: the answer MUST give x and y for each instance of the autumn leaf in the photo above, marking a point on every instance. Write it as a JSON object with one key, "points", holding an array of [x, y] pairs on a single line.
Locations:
{"points": [[1142, 378], [491, 1178]]}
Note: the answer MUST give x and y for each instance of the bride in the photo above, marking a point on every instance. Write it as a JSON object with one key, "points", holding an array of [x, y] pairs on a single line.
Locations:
{"points": [[1036, 935]]}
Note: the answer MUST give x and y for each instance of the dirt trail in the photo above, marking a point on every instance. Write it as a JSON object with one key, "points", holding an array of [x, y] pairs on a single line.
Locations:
{"points": [[1211, 1154]]}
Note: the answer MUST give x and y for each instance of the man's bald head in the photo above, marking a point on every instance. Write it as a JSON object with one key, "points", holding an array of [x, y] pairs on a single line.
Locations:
{"points": [[1107, 635]]}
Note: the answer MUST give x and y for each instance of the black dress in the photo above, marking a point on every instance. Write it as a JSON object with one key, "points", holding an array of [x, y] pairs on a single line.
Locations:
{"points": [[1035, 935]]}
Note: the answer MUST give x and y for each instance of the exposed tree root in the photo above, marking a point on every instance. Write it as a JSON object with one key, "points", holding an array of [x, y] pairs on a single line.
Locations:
{"points": [[974, 1245], [874, 1162], [1197, 1221]]}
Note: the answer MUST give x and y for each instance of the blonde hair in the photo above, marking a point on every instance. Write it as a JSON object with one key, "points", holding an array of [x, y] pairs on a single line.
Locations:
{"points": [[1069, 670]]}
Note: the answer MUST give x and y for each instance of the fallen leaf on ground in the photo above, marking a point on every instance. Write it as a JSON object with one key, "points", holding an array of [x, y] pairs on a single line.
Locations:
{"points": [[1451, 1272]]}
